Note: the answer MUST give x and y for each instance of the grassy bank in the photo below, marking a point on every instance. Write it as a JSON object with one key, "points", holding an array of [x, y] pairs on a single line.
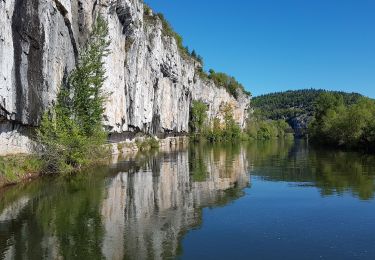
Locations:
{"points": [[17, 168]]}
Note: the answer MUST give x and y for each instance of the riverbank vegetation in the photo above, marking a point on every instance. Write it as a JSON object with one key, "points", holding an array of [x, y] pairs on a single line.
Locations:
{"points": [[262, 129], [219, 130], [226, 129], [18, 167], [338, 124], [71, 132]]}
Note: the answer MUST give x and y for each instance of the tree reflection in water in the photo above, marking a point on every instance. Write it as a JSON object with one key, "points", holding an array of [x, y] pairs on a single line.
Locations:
{"points": [[141, 208], [333, 172], [134, 210]]}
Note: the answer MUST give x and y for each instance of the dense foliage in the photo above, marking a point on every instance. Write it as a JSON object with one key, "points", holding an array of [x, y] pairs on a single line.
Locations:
{"points": [[339, 124], [198, 116], [227, 130], [289, 104], [71, 132], [259, 129], [216, 131]]}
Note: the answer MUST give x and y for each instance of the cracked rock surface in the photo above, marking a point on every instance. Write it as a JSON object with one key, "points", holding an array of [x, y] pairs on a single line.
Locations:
{"points": [[151, 85]]}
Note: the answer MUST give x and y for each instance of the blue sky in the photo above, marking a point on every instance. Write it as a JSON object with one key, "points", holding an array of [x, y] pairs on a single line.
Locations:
{"points": [[275, 45]]}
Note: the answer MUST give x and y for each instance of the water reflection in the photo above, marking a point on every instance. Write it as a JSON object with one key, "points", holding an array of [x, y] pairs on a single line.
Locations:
{"points": [[135, 210], [142, 207], [332, 172]]}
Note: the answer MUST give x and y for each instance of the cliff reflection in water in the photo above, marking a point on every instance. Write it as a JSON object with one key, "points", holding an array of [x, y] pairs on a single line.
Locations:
{"points": [[146, 211], [141, 208], [135, 210]]}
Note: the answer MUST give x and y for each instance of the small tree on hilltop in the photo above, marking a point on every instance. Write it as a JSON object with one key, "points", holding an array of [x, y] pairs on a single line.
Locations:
{"points": [[194, 54]]}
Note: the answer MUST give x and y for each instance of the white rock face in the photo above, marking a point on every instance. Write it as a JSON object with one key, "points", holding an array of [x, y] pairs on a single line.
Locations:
{"points": [[15, 139], [151, 85]]}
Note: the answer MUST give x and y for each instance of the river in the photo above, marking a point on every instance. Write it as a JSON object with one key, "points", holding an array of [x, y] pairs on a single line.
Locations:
{"points": [[269, 200]]}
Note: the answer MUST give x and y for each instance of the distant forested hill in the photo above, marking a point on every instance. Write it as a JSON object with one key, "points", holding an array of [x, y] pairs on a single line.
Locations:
{"points": [[293, 103], [296, 107]]}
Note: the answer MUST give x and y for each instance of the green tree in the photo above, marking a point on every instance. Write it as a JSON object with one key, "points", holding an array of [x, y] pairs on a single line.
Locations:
{"points": [[232, 131], [290, 104], [198, 116], [86, 81], [229, 83], [71, 132], [339, 124], [194, 54]]}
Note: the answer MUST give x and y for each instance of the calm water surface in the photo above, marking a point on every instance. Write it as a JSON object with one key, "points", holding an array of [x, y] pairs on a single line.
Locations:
{"points": [[275, 200]]}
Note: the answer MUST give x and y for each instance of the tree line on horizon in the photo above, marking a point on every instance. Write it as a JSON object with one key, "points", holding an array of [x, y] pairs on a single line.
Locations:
{"points": [[294, 103]]}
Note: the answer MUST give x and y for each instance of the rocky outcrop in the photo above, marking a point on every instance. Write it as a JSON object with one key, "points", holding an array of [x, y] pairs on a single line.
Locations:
{"points": [[300, 125], [150, 84]]}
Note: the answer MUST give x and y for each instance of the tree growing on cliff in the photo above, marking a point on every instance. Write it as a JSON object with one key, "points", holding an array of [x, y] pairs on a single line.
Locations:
{"points": [[86, 82], [231, 131], [224, 129], [71, 132], [198, 116]]}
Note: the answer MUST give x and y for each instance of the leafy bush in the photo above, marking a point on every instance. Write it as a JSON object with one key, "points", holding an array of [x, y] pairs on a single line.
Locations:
{"points": [[227, 132], [197, 57], [338, 124], [261, 129], [232, 131], [215, 133]]}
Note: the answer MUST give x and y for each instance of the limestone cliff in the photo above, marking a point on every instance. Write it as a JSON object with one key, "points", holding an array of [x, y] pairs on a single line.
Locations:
{"points": [[150, 84]]}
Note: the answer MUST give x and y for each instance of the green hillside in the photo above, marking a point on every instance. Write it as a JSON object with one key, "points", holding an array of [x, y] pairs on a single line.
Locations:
{"points": [[291, 104]]}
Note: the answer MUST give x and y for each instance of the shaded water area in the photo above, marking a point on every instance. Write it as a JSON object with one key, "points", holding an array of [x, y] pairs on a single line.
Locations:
{"points": [[267, 200]]}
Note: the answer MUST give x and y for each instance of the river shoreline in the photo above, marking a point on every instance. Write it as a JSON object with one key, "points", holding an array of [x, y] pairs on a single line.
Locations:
{"points": [[125, 149]]}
